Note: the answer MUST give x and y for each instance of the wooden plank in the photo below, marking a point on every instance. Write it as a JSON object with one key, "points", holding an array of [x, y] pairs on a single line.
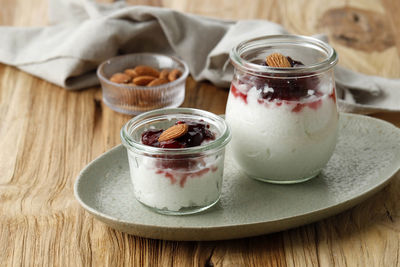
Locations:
{"points": [[48, 134]]}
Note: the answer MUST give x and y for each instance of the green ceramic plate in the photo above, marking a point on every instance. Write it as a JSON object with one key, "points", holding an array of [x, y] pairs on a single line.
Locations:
{"points": [[366, 157]]}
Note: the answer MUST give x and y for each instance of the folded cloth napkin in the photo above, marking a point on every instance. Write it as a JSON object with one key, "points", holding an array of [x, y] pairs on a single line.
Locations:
{"points": [[84, 33]]}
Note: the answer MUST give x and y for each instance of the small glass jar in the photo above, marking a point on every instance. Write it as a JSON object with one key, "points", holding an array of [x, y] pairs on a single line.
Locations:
{"points": [[176, 181], [284, 121]]}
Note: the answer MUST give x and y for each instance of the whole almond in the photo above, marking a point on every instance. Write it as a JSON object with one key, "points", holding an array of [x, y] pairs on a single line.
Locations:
{"points": [[157, 81], [143, 80], [174, 74], [173, 132], [120, 78], [164, 74], [131, 72], [143, 70], [277, 60]]}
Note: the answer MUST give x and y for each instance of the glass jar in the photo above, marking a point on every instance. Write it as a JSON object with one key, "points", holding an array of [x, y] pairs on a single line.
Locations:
{"points": [[284, 121], [176, 181]]}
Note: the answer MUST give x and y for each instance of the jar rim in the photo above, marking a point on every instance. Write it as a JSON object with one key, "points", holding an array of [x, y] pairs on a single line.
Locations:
{"points": [[256, 69], [220, 142]]}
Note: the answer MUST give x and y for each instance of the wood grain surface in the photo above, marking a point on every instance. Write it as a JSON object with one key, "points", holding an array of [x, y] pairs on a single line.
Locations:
{"points": [[47, 135]]}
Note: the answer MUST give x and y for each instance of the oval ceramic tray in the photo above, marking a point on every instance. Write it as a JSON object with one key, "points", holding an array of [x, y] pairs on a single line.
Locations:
{"points": [[366, 157]]}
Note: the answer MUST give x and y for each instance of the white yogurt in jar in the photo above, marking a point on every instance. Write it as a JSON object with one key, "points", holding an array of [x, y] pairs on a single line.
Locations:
{"points": [[278, 140], [174, 189]]}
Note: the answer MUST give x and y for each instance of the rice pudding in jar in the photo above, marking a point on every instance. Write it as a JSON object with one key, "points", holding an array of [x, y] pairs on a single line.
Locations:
{"points": [[282, 107], [176, 159]]}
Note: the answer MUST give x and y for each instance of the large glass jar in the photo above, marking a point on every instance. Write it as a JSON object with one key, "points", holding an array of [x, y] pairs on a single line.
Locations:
{"points": [[284, 120]]}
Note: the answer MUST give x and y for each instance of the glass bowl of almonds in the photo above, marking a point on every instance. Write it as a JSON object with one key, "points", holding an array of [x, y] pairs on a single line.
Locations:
{"points": [[136, 83]]}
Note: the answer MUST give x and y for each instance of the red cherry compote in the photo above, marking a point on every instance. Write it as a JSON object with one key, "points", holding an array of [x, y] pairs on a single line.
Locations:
{"points": [[197, 133], [284, 88]]}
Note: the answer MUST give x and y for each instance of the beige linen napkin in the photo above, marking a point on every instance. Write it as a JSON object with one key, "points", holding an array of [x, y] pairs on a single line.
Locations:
{"points": [[84, 34]]}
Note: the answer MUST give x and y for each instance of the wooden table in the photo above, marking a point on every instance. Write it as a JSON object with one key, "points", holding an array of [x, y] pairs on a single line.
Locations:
{"points": [[49, 134]]}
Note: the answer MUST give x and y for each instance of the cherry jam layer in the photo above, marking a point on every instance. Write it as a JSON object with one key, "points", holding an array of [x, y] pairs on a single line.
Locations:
{"points": [[197, 133], [281, 87], [290, 89], [298, 107], [179, 167], [182, 177]]}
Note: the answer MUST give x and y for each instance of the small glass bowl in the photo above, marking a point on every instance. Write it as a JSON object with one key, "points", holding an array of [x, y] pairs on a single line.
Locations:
{"points": [[176, 181], [134, 100]]}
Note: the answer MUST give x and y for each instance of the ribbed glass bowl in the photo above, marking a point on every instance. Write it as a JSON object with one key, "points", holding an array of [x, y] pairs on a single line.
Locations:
{"points": [[133, 100]]}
